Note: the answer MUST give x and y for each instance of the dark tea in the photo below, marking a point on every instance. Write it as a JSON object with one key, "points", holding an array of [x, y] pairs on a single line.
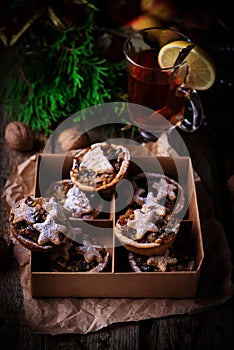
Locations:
{"points": [[158, 97], [152, 87]]}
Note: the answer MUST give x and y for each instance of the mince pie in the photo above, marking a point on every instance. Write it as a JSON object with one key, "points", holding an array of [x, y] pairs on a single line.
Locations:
{"points": [[154, 188], [75, 202], [151, 224], [170, 261], [85, 256], [100, 166], [38, 223]]}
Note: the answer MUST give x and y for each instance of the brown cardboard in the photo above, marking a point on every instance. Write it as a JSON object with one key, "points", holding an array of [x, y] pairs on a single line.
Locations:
{"points": [[118, 280]]}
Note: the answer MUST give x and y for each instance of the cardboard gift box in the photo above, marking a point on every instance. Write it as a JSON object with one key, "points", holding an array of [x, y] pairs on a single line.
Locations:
{"points": [[118, 279]]}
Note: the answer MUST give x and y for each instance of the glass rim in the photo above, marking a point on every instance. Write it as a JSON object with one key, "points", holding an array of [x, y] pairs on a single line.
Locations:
{"points": [[128, 58]]}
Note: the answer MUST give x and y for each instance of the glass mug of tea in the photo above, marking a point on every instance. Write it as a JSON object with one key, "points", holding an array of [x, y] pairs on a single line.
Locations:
{"points": [[162, 90]]}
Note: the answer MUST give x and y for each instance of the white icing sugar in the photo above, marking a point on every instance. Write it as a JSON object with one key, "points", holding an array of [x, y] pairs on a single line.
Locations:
{"points": [[152, 202], [165, 189], [96, 161], [49, 231], [77, 202], [143, 222], [22, 211], [54, 209]]}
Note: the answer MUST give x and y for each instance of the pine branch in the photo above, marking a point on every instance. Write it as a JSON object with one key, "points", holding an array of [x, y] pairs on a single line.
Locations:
{"points": [[55, 75]]}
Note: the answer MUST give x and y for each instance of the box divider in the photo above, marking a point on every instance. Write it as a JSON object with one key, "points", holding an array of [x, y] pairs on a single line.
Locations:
{"points": [[113, 235], [118, 282]]}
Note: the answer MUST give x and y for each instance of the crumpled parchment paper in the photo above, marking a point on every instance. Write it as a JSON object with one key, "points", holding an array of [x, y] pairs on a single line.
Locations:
{"points": [[83, 315]]}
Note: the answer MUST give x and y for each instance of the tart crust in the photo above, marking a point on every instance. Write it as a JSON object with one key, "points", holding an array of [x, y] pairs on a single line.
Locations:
{"points": [[100, 166], [86, 256], [74, 201], [144, 183], [38, 223], [155, 263], [172, 260], [146, 248], [151, 228]]}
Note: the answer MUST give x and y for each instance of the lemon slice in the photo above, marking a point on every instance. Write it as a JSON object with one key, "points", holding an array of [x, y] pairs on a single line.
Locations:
{"points": [[202, 70]]}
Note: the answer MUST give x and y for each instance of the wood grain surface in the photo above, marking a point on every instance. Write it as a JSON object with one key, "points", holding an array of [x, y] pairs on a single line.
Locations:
{"points": [[211, 329]]}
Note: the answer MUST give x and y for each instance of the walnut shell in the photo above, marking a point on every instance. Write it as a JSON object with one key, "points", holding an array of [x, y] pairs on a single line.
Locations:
{"points": [[71, 138], [19, 136]]}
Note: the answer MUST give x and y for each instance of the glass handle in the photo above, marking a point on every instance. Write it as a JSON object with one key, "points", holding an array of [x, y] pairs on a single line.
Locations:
{"points": [[193, 111]]}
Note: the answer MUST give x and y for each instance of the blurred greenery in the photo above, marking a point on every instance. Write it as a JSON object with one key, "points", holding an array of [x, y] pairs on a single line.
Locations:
{"points": [[49, 73]]}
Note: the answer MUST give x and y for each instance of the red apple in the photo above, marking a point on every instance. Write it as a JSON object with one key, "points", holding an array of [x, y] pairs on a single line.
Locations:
{"points": [[164, 10], [143, 21]]}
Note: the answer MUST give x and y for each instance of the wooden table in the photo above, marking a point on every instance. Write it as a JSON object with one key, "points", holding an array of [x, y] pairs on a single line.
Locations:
{"points": [[211, 150]]}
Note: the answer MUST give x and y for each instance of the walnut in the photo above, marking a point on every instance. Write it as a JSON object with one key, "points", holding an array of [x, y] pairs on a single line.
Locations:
{"points": [[71, 138], [19, 136]]}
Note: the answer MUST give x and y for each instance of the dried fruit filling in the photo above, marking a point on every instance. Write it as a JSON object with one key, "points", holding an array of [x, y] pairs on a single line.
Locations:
{"points": [[104, 174], [172, 260], [39, 220], [72, 256]]}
